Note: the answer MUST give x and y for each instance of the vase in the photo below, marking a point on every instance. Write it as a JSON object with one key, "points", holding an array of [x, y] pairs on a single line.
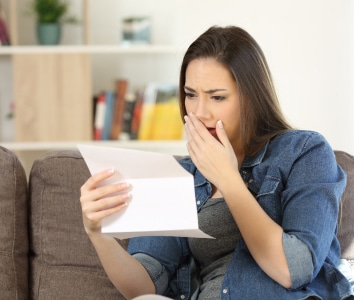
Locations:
{"points": [[48, 33]]}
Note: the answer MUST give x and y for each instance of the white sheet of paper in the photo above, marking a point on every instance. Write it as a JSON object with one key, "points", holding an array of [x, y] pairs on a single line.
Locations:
{"points": [[163, 199]]}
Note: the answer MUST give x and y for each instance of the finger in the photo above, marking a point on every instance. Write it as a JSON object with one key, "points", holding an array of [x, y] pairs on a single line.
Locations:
{"points": [[95, 179], [94, 211], [104, 191], [107, 203], [221, 133], [107, 190], [93, 218], [191, 151], [193, 131], [190, 129], [197, 127], [196, 142], [192, 145], [98, 216], [191, 141]]}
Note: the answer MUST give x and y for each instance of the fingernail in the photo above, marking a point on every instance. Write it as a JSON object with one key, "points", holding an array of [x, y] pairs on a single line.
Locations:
{"points": [[111, 171], [124, 184], [220, 124], [186, 118], [127, 196]]}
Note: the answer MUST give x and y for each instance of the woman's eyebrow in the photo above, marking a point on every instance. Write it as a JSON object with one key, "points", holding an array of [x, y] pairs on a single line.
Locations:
{"points": [[212, 91], [189, 89]]}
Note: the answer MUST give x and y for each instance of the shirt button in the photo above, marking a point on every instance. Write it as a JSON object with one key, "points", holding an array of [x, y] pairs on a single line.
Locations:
{"points": [[250, 181], [183, 296], [198, 202], [224, 291]]}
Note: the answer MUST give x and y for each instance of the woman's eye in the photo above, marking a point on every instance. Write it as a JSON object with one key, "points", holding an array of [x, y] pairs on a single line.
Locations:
{"points": [[190, 95], [218, 98]]}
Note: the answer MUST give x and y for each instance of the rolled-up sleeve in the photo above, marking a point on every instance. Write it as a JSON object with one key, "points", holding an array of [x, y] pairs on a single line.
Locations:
{"points": [[161, 256], [156, 270], [299, 260], [310, 204]]}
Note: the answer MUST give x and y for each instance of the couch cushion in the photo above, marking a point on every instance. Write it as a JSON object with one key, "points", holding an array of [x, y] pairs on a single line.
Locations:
{"points": [[346, 224], [13, 224], [63, 260]]}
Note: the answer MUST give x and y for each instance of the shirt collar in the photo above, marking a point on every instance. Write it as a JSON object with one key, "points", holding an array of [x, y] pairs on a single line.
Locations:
{"points": [[255, 160]]}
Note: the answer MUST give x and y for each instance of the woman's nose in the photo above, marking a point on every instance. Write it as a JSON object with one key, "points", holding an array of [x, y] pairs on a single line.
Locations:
{"points": [[202, 111]]}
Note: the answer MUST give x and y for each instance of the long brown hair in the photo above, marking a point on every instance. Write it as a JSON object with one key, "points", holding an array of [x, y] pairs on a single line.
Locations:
{"points": [[261, 116]]}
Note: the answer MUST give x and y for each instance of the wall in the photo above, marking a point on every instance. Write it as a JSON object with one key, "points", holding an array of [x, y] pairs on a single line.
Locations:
{"points": [[309, 46], [6, 123]]}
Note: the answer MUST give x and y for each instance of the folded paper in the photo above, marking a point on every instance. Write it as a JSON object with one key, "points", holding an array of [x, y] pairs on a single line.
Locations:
{"points": [[163, 199]]}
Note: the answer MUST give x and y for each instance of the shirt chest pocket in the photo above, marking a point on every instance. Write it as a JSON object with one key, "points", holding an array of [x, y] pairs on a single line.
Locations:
{"points": [[268, 196]]}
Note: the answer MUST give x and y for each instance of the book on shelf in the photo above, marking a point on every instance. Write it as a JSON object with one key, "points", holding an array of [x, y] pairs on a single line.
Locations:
{"points": [[136, 115], [121, 89], [100, 113], [108, 116], [130, 101], [160, 115]]}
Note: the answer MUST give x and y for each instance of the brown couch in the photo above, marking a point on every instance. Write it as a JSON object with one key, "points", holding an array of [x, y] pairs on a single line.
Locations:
{"points": [[44, 251]]}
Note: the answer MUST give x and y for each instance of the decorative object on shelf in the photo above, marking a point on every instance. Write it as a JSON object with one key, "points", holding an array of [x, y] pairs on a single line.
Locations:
{"points": [[10, 115], [4, 34], [136, 30], [50, 14]]}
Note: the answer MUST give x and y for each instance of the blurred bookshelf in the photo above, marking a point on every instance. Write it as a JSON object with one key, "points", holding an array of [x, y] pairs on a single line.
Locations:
{"points": [[52, 86]]}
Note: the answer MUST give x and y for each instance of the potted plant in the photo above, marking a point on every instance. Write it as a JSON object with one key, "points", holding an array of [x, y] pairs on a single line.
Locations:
{"points": [[50, 14]]}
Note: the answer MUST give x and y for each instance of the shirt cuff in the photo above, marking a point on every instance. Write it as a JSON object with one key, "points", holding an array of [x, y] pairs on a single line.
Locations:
{"points": [[156, 270], [299, 260], [347, 270]]}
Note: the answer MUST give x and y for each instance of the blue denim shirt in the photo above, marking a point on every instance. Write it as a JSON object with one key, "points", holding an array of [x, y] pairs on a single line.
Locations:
{"points": [[296, 180]]}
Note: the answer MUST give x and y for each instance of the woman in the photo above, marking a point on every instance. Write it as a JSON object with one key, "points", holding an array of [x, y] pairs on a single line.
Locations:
{"points": [[269, 194]]}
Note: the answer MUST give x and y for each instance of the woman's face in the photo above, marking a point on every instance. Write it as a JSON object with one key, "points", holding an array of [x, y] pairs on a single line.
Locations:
{"points": [[212, 95]]}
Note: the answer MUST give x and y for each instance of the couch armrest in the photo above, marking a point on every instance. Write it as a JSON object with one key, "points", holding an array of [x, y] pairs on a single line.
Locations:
{"points": [[13, 224], [63, 261], [346, 215]]}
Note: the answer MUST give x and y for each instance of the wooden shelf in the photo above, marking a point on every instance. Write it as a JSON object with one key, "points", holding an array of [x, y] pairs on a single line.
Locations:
{"points": [[177, 147], [92, 49]]}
